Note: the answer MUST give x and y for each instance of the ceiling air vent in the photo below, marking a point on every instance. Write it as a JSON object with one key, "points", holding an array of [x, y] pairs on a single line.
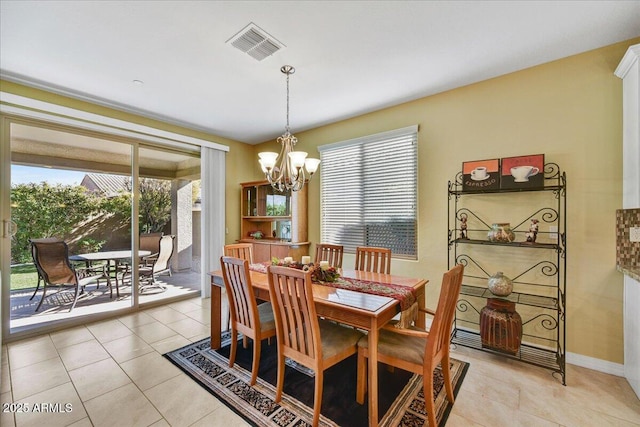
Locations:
{"points": [[256, 42]]}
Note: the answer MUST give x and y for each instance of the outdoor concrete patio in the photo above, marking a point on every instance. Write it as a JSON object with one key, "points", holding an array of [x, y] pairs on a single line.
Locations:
{"points": [[94, 300]]}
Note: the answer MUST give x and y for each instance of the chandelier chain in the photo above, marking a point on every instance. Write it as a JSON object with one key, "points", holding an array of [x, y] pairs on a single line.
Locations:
{"points": [[287, 128]]}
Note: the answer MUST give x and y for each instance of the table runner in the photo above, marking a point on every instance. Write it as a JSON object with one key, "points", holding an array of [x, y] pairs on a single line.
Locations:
{"points": [[405, 295]]}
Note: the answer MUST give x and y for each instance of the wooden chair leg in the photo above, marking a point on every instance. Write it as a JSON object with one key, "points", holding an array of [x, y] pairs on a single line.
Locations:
{"points": [[446, 373], [428, 399], [361, 385], [280, 380], [256, 360], [317, 396], [234, 347]]}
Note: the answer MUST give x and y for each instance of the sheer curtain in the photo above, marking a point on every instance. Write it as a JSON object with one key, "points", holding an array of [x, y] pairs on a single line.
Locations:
{"points": [[212, 166]]}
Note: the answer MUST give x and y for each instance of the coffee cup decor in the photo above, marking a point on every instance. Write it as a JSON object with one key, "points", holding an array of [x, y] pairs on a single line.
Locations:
{"points": [[522, 172], [481, 175]]}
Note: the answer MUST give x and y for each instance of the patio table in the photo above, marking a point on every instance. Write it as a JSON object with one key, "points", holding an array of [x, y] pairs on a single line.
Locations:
{"points": [[115, 256]]}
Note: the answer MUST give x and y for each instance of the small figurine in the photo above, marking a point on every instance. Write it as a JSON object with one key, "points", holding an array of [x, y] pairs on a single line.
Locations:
{"points": [[533, 231], [463, 226]]}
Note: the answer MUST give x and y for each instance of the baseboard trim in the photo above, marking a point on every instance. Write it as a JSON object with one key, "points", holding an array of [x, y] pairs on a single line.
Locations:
{"points": [[599, 365]]}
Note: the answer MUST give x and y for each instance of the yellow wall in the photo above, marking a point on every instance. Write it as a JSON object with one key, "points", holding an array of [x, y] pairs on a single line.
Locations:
{"points": [[570, 110]]}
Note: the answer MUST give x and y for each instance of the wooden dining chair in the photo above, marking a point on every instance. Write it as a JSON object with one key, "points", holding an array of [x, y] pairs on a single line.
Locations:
{"points": [[376, 260], [248, 318], [417, 350], [331, 253], [240, 250], [51, 258], [302, 337]]}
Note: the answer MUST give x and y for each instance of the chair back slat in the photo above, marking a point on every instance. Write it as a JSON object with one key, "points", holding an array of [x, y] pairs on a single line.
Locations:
{"points": [[439, 333], [237, 281], [376, 260], [240, 250], [331, 253], [297, 325]]}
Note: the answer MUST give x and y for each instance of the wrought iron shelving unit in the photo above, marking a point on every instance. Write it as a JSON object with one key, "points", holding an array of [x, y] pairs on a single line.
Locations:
{"points": [[539, 285]]}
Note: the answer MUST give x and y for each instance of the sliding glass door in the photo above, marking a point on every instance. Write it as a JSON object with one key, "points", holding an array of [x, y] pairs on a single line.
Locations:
{"points": [[76, 188], [169, 223], [98, 194]]}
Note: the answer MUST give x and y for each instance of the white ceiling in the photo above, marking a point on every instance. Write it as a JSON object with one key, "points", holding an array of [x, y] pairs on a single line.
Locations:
{"points": [[351, 57]]}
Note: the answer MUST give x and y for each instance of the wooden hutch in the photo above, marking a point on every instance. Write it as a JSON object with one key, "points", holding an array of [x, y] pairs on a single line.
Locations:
{"points": [[281, 218]]}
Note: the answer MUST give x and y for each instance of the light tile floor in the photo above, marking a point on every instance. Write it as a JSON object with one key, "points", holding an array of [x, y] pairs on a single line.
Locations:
{"points": [[112, 373]]}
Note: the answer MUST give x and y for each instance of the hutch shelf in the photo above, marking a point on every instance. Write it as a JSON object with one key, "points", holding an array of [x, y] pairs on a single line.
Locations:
{"points": [[537, 269]]}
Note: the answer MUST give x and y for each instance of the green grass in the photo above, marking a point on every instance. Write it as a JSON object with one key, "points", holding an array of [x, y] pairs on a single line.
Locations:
{"points": [[23, 277]]}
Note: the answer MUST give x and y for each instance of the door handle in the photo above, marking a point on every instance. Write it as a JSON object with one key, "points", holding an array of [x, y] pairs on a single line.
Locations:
{"points": [[9, 228]]}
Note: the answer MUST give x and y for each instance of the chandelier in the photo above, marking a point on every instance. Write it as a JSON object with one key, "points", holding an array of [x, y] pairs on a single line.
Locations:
{"points": [[293, 168]]}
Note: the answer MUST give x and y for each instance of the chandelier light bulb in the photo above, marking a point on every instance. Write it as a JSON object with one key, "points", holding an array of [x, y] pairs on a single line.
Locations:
{"points": [[297, 159], [311, 165], [268, 159]]}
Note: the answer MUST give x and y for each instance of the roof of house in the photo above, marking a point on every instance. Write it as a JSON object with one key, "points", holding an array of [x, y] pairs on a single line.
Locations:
{"points": [[108, 185]]}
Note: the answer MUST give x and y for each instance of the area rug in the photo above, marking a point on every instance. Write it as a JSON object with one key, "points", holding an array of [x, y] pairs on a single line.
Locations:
{"points": [[401, 401]]}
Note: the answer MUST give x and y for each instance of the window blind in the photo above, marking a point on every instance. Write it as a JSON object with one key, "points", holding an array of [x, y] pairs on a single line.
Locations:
{"points": [[369, 192]]}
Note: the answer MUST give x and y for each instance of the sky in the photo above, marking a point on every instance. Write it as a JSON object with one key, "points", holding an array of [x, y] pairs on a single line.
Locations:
{"points": [[27, 174]]}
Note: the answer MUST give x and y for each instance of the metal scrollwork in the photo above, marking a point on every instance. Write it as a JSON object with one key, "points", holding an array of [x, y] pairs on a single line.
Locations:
{"points": [[463, 306], [464, 259], [547, 268], [546, 321], [551, 171], [548, 215]]}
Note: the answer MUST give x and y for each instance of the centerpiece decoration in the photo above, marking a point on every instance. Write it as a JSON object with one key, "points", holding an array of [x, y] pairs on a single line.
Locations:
{"points": [[322, 272], [326, 275]]}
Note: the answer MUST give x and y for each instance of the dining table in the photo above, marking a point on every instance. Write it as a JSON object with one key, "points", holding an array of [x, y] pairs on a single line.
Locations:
{"points": [[351, 307], [109, 256]]}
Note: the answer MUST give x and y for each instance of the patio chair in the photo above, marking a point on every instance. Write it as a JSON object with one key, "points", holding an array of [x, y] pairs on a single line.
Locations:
{"points": [[51, 258], [160, 265], [150, 242], [48, 239]]}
